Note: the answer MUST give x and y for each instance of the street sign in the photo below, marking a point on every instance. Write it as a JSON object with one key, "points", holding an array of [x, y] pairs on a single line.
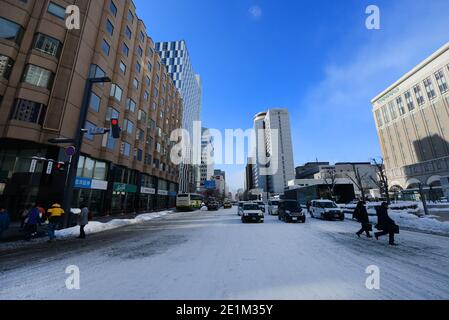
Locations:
{"points": [[49, 167], [33, 165], [70, 151], [97, 131], [210, 184]]}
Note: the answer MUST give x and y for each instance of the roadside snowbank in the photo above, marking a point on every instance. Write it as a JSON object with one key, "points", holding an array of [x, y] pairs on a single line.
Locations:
{"points": [[423, 223], [95, 226]]}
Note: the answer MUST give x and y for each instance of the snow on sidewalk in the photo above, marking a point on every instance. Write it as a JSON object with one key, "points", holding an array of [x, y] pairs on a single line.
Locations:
{"points": [[96, 227], [424, 223]]}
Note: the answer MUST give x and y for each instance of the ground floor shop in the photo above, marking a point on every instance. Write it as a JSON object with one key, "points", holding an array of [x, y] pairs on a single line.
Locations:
{"points": [[28, 174]]}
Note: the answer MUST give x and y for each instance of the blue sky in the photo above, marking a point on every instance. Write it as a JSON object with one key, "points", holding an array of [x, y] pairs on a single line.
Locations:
{"points": [[315, 58]]}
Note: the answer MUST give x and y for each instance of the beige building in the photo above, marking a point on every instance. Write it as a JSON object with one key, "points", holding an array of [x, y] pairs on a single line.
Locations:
{"points": [[43, 71], [412, 121]]}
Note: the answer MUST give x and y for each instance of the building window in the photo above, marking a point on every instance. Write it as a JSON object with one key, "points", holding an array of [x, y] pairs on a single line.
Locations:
{"points": [[418, 94], [112, 113], [10, 31], [392, 109], [142, 36], [95, 102], [148, 159], [130, 105], [128, 32], [148, 81], [138, 67], [125, 149], [29, 111], [96, 72], [109, 27], [6, 64], [146, 96], [441, 80], [139, 155], [140, 134], [122, 67], [385, 114], [409, 101], [128, 126], [113, 8], [149, 67], [56, 10], [105, 47], [400, 106], [125, 49], [116, 92], [136, 83], [140, 51], [38, 76], [130, 17], [47, 44], [429, 89], [142, 116]]}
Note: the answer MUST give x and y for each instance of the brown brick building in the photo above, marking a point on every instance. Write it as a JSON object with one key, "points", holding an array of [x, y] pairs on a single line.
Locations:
{"points": [[43, 71]]}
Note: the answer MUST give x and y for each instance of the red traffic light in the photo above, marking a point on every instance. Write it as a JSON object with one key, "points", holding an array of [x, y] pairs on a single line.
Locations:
{"points": [[115, 128], [114, 122]]}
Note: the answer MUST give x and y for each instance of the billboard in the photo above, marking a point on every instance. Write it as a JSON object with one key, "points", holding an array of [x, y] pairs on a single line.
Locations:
{"points": [[210, 184]]}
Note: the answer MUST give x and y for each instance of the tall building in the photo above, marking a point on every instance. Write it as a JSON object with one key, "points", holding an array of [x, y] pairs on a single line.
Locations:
{"points": [[176, 57], [43, 71], [412, 122], [249, 182], [207, 159], [277, 146]]}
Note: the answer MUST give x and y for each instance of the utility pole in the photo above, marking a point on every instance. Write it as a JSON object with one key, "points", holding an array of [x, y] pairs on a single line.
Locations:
{"points": [[78, 140]]}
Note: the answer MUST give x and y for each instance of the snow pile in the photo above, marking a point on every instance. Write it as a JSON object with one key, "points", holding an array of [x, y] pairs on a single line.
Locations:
{"points": [[96, 227], [424, 223]]}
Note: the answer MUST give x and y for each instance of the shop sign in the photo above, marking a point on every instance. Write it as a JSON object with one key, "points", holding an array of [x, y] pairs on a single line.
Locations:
{"points": [[172, 193], [162, 192], [83, 183], [145, 190], [123, 187], [99, 185]]}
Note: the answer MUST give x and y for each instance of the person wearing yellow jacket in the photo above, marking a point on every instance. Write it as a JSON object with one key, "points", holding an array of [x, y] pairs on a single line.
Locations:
{"points": [[54, 215]]}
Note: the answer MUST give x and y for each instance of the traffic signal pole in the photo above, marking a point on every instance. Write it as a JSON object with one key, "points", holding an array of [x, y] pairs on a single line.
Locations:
{"points": [[78, 140]]}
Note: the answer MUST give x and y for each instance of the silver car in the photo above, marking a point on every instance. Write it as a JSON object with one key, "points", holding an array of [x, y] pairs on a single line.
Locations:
{"points": [[273, 207]]}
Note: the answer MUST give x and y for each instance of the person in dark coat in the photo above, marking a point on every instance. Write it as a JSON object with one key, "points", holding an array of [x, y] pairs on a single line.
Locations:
{"points": [[83, 220], [385, 224], [31, 222], [4, 220], [361, 215]]}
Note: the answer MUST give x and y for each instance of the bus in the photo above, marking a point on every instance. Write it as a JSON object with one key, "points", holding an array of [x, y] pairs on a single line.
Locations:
{"points": [[188, 201]]}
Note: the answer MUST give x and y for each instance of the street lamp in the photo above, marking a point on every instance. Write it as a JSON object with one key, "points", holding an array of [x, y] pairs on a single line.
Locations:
{"points": [[77, 143]]}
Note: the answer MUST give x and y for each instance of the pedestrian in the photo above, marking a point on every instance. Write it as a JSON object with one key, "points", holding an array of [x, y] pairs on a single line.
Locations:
{"points": [[54, 215], [83, 220], [31, 222], [4, 220], [308, 205], [361, 214], [24, 215], [385, 224]]}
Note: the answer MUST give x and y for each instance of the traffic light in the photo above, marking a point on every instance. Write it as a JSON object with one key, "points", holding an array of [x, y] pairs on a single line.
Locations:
{"points": [[61, 167], [115, 128]]}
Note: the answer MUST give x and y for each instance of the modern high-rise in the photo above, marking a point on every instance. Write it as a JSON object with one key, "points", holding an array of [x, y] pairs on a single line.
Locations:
{"points": [[412, 122], [175, 56], [275, 145], [207, 157], [43, 71]]}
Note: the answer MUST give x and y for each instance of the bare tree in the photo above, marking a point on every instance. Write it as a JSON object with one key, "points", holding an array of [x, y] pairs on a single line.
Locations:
{"points": [[358, 180], [330, 179], [382, 179]]}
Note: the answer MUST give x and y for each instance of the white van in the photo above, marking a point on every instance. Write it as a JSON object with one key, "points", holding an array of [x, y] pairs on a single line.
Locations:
{"points": [[273, 207], [326, 209]]}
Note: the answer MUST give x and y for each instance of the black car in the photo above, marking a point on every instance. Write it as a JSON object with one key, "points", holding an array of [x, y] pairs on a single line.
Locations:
{"points": [[290, 211], [213, 206]]}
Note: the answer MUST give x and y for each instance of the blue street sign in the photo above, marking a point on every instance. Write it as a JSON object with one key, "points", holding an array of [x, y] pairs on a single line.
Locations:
{"points": [[83, 183], [210, 184]]}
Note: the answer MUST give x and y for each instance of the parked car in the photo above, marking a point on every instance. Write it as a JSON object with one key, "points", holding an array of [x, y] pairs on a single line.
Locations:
{"points": [[227, 205], [251, 212], [326, 209], [240, 208], [273, 207], [213, 206], [290, 211]]}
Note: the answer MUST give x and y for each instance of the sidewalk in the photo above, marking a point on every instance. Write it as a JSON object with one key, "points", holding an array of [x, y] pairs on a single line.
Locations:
{"points": [[15, 233]]}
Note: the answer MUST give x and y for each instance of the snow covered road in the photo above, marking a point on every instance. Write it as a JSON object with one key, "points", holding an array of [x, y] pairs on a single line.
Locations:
{"points": [[204, 255]]}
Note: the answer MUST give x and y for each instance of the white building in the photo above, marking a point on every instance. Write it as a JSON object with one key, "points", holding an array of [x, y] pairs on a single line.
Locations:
{"points": [[207, 157], [277, 144], [176, 57]]}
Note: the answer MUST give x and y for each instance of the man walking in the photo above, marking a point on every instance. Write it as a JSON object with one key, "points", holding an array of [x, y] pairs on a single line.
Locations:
{"points": [[54, 217], [385, 224], [83, 220], [31, 222], [361, 214]]}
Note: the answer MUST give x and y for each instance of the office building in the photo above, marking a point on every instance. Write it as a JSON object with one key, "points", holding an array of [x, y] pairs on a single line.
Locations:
{"points": [[412, 122], [43, 71], [207, 157]]}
